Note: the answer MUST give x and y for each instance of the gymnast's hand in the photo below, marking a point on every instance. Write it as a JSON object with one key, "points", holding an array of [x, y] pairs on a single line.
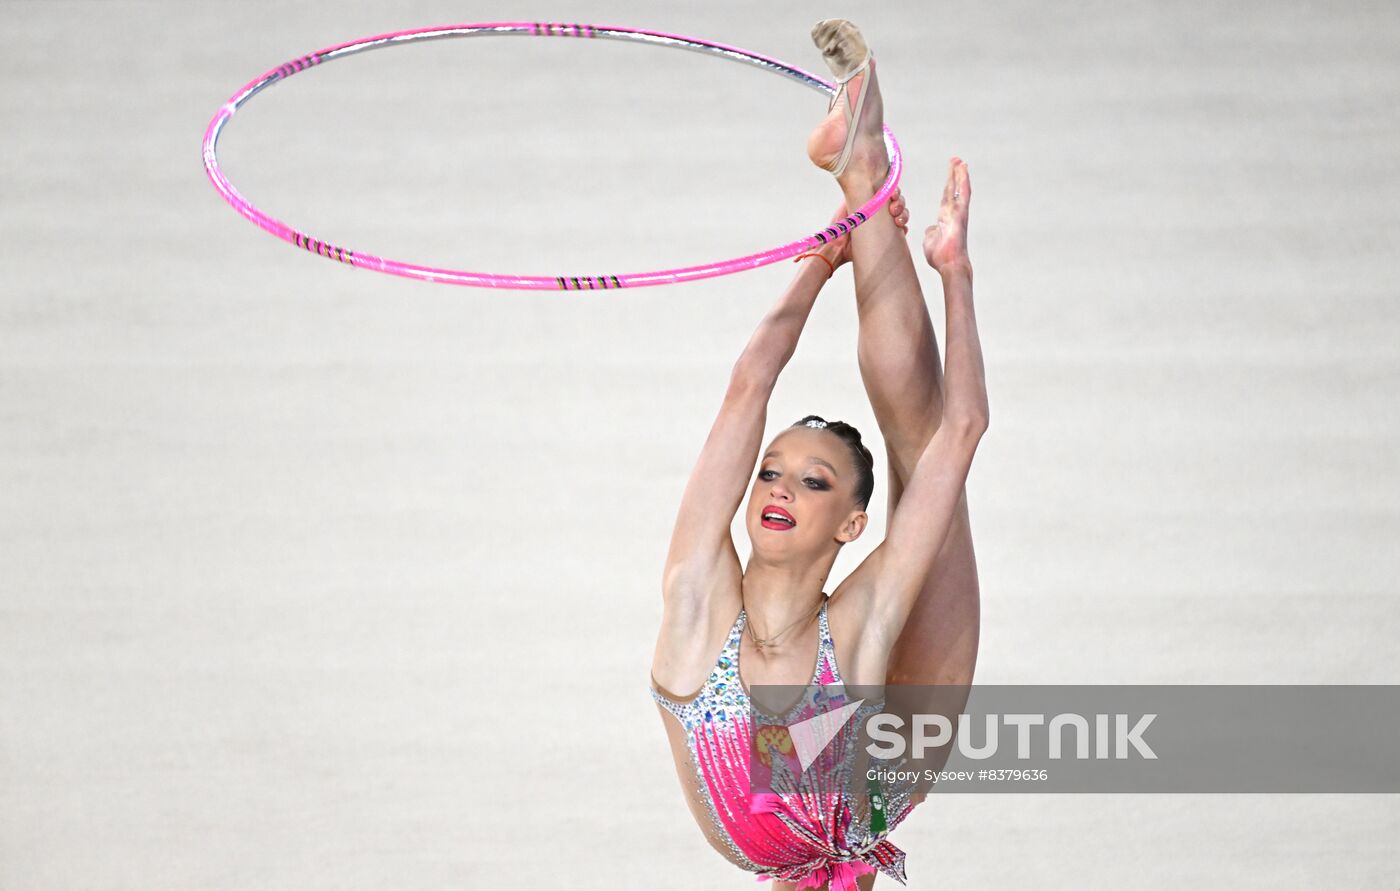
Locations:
{"points": [[839, 251], [945, 242]]}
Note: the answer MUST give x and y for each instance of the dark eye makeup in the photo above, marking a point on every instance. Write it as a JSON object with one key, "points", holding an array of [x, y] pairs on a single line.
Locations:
{"points": [[814, 483]]}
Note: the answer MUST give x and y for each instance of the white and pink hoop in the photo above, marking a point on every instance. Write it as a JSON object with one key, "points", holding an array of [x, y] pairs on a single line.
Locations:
{"points": [[363, 260]]}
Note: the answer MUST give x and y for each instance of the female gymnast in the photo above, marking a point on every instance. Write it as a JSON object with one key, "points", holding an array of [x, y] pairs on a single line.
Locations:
{"points": [[909, 613]]}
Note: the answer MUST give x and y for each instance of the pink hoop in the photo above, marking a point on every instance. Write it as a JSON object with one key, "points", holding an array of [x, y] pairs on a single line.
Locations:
{"points": [[364, 260]]}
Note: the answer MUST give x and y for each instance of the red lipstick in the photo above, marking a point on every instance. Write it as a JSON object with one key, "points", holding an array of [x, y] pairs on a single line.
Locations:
{"points": [[776, 518]]}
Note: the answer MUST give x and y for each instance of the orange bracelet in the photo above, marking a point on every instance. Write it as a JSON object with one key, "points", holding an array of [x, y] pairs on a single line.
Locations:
{"points": [[828, 263]]}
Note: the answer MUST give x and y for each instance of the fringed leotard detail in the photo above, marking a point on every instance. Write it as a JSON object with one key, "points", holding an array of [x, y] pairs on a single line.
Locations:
{"points": [[808, 837]]}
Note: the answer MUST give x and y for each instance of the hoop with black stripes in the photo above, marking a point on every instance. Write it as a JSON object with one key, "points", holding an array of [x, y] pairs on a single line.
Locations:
{"points": [[363, 260]]}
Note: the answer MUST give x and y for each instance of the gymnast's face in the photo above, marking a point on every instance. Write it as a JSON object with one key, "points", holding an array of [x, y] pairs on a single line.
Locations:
{"points": [[804, 495]]}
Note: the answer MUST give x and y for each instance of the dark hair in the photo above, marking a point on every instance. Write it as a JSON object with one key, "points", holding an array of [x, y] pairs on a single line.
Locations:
{"points": [[864, 461]]}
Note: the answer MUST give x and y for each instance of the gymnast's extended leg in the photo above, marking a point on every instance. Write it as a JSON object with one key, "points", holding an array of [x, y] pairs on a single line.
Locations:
{"points": [[901, 369]]}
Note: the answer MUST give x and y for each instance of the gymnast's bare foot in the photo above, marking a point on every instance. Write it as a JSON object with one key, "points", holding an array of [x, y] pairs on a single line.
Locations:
{"points": [[945, 242], [843, 48]]}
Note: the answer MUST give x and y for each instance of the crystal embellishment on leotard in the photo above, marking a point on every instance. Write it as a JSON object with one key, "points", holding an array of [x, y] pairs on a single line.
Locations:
{"points": [[793, 835]]}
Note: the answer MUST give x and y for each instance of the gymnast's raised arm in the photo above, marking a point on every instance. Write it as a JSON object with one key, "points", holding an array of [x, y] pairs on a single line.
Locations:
{"points": [[701, 541], [702, 553]]}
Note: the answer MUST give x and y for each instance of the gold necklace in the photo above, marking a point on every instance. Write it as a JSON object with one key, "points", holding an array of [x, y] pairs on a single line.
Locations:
{"points": [[762, 642]]}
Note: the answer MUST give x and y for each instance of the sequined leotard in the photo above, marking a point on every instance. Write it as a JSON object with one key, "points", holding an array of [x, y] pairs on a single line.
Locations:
{"points": [[811, 839]]}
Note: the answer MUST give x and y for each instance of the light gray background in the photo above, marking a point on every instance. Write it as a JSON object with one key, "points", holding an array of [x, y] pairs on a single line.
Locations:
{"points": [[313, 578]]}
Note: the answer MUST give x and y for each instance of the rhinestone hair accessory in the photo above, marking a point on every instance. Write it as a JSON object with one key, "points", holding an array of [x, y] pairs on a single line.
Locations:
{"points": [[817, 424]]}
